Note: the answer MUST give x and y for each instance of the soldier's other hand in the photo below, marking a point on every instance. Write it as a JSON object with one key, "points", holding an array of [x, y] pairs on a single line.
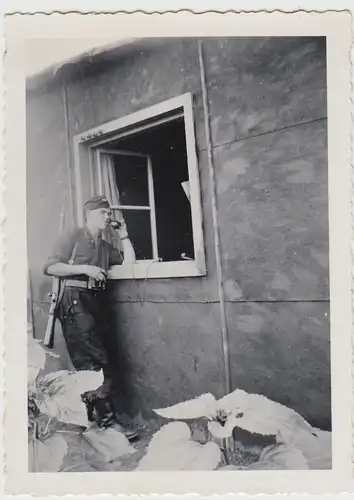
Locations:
{"points": [[96, 273]]}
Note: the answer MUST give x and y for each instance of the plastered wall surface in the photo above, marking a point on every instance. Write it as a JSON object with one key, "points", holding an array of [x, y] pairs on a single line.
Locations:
{"points": [[267, 101]]}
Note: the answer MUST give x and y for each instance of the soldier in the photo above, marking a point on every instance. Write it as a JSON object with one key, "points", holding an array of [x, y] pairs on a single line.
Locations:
{"points": [[82, 258]]}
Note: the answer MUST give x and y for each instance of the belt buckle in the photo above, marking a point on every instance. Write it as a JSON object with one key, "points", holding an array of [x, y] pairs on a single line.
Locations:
{"points": [[96, 286]]}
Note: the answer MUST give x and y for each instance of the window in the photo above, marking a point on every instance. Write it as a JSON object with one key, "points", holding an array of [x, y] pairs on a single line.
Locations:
{"points": [[146, 165]]}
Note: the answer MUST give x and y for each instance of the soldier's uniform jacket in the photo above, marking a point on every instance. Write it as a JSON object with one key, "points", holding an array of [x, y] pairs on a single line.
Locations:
{"points": [[100, 253], [82, 311]]}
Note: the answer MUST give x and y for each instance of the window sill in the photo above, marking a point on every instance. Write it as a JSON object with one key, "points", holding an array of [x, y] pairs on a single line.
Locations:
{"points": [[151, 269]]}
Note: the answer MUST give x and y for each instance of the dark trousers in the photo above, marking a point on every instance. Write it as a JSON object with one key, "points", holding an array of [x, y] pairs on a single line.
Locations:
{"points": [[83, 316]]}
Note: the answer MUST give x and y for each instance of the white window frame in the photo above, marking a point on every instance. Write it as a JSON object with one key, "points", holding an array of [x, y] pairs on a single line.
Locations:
{"points": [[95, 138], [150, 207]]}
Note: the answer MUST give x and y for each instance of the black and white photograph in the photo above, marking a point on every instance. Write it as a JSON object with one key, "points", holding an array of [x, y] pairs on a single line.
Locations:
{"points": [[182, 192], [179, 301]]}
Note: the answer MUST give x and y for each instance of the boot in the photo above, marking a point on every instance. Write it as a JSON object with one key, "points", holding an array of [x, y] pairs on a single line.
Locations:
{"points": [[104, 412], [130, 433], [101, 411], [90, 407]]}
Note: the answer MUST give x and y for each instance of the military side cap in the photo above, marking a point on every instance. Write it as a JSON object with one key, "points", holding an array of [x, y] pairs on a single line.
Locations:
{"points": [[97, 202]]}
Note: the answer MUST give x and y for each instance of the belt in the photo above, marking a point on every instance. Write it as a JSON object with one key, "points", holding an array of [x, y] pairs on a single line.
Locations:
{"points": [[85, 284], [76, 283]]}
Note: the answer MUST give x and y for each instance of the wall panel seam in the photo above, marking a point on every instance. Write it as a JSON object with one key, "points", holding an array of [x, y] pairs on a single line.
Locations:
{"points": [[266, 132]]}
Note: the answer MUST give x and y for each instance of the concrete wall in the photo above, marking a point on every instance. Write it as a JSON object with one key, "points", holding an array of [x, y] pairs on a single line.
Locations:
{"points": [[48, 197], [267, 102], [268, 118]]}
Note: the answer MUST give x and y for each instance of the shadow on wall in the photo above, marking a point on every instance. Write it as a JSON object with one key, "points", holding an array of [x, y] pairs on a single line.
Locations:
{"points": [[121, 367]]}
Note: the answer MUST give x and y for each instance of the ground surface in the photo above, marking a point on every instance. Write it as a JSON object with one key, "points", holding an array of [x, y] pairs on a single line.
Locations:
{"points": [[83, 457]]}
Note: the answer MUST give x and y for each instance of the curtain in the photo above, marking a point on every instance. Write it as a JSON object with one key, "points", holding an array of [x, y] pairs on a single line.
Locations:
{"points": [[110, 190]]}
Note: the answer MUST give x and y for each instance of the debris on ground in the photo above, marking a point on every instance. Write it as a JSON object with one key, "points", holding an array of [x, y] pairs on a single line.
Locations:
{"points": [[171, 448], [110, 443], [240, 431]]}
